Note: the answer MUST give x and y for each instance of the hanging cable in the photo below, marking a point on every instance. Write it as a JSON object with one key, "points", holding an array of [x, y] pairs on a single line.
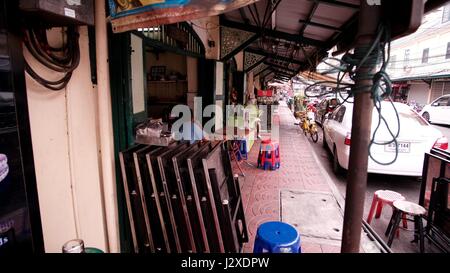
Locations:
{"points": [[381, 89], [64, 59]]}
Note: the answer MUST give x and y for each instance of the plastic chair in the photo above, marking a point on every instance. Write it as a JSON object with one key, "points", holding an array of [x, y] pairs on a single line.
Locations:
{"points": [[269, 155], [277, 237], [401, 210], [243, 149]]}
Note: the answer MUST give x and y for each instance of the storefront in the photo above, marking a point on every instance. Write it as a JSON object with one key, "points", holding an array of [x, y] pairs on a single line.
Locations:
{"points": [[400, 92], [439, 88], [152, 70]]}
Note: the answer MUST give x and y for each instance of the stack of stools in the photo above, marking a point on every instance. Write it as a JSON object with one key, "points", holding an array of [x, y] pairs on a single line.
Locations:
{"points": [[381, 198], [269, 155], [401, 210], [277, 237]]}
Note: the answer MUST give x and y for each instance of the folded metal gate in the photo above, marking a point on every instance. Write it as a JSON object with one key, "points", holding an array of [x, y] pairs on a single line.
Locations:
{"points": [[183, 198]]}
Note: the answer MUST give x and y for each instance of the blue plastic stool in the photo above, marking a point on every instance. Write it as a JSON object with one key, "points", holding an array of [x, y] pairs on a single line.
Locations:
{"points": [[277, 237], [243, 149]]}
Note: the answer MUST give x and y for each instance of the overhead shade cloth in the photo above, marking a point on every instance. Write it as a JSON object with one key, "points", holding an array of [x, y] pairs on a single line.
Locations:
{"points": [[132, 14], [316, 77]]}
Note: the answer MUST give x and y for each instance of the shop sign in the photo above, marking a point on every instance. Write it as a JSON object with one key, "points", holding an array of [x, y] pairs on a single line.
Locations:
{"points": [[133, 14]]}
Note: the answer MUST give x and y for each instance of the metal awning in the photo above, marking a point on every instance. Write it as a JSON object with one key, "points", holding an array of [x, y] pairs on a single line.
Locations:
{"points": [[423, 78], [287, 36]]}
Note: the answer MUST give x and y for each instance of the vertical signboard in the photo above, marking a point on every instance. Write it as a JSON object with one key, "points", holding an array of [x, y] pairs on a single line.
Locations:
{"points": [[20, 228]]}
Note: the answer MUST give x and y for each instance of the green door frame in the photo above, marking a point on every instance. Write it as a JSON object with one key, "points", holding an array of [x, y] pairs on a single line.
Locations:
{"points": [[124, 120], [120, 68]]}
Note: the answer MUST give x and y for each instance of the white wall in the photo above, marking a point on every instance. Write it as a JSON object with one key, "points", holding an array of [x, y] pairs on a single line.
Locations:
{"points": [[219, 92], [66, 154], [434, 35], [138, 80], [250, 85], [256, 83], [208, 28], [239, 61]]}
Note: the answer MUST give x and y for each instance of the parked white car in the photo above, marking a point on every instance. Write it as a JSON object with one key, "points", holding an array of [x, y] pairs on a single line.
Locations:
{"points": [[438, 111], [416, 138]]}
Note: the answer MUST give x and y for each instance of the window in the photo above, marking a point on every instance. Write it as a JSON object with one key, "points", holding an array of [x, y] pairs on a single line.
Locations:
{"points": [[406, 59], [447, 55], [334, 114], [333, 102], [446, 14], [339, 116], [441, 102], [425, 55]]}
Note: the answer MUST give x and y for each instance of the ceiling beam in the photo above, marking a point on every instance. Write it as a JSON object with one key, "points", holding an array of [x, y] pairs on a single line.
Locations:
{"points": [[244, 16], [319, 25], [272, 12], [349, 29], [282, 63], [338, 4], [260, 72], [284, 73], [265, 74], [255, 65], [274, 56], [282, 77], [240, 47], [271, 33], [310, 16], [279, 66]]}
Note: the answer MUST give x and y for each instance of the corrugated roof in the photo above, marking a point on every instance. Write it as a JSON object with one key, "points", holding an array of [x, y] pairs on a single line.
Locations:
{"points": [[297, 35]]}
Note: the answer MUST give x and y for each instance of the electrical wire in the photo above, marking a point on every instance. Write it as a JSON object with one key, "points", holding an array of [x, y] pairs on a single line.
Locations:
{"points": [[380, 90], [64, 59]]}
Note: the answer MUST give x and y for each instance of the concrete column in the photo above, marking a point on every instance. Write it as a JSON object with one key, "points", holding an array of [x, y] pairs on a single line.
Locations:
{"points": [[106, 135]]}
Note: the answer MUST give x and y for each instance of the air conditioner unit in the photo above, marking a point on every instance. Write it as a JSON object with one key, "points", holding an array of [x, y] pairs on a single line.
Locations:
{"points": [[59, 12]]}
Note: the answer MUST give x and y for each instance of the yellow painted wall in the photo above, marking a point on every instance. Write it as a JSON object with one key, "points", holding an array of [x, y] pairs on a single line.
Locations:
{"points": [[208, 28], [66, 154], [173, 62]]}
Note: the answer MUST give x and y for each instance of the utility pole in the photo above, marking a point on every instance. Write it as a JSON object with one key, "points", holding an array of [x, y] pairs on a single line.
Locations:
{"points": [[369, 18]]}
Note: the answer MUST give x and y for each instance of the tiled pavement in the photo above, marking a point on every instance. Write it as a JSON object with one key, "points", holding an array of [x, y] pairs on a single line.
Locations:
{"points": [[299, 171]]}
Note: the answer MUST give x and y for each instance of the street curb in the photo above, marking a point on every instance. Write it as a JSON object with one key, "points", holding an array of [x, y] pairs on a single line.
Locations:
{"points": [[334, 190], [367, 245]]}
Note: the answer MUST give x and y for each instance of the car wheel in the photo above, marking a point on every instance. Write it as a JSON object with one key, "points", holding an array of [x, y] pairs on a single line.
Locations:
{"points": [[337, 169], [426, 116], [324, 141]]}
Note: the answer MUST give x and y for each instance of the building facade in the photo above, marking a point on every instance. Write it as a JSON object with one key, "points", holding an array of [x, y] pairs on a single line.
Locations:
{"points": [[420, 63]]}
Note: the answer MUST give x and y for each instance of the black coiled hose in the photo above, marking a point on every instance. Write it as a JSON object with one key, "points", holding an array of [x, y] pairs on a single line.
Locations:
{"points": [[64, 59]]}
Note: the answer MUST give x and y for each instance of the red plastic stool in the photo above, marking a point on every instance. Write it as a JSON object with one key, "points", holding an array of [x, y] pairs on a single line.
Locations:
{"points": [[269, 155], [381, 198]]}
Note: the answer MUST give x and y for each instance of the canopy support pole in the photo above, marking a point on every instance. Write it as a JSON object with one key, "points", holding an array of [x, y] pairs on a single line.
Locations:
{"points": [[369, 17]]}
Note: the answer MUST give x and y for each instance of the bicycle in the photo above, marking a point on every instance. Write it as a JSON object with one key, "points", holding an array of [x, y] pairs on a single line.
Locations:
{"points": [[309, 127]]}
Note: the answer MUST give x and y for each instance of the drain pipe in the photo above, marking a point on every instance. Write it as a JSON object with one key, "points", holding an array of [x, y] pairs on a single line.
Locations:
{"points": [[369, 18], [105, 129]]}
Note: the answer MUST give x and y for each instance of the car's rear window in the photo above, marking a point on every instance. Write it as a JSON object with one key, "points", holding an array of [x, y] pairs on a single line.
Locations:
{"points": [[407, 117]]}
